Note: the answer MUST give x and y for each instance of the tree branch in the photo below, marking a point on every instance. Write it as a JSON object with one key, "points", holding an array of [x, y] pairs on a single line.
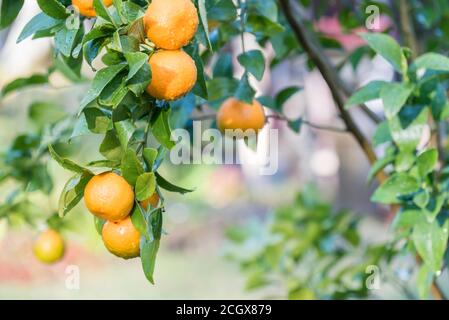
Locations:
{"points": [[310, 124], [407, 28], [333, 81]]}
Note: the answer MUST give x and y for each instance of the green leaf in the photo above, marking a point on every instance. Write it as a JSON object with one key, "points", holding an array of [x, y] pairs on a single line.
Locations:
{"points": [[103, 164], [102, 11], [394, 97], [20, 83], [131, 167], [430, 240], [9, 11], [379, 165], [99, 223], [149, 248], [139, 221], [65, 40], [140, 81], [145, 186], [44, 113], [97, 121], [400, 184], [221, 88], [161, 129], [136, 60], [432, 61], [421, 199], [164, 184], [203, 19], [110, 147], [223, 67], [407, 127], [125, 130], [38, 23], [115, 91], [407, 218], [149, 156], [101, 80], [382, 134], [73, 192], [254, 62], [295, 125], [200, 89], [427, 161], [369, 92], [388, 48], [424, 281], [244, 91], [285, 94], [53, 8], [66, 163], [404, 161]]}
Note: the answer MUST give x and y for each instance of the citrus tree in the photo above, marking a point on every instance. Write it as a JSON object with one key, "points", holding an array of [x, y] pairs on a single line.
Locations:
{"points": [[161, 60]]}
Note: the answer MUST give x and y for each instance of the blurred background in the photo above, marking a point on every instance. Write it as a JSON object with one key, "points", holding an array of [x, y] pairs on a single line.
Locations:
{"points": [[203, 255]]}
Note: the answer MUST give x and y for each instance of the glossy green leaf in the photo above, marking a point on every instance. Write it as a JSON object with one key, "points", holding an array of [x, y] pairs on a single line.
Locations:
{"points": [[101, 80], [388, 48], [40, 22], [430, 240], [369, 92], [433, 61], [66, 163], [53, 8], [254, 62], [21, 83], [427, 161], [145, 186], [9, 11], [73, 192], [394, 97], [131, 167], [164, 184], [161, 129], [400, 184]]}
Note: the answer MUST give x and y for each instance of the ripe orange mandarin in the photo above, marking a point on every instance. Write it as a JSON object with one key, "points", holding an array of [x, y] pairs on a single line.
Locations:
{"points": [[171, 24], [153, 200], [173, 74], [86, 7], [235, 114], [121, 238], [49, 246], [109, 196]]}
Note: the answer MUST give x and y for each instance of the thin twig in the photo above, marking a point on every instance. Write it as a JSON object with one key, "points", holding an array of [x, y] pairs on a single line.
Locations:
{"points": [[310, 124]]}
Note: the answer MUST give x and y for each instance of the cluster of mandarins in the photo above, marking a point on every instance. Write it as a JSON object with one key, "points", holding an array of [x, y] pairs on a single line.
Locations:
{"points": [[170, 25], [108, 196]]}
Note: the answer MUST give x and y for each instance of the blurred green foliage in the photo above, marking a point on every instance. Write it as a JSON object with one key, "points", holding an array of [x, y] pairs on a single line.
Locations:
{"points": [[305, 250]]}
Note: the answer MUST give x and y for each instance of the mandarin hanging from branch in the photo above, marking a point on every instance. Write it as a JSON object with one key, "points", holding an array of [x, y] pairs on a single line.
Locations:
{"points": [[171, 24]]}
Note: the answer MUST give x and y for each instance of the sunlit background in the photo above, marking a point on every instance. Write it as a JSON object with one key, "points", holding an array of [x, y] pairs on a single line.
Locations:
{"points": [[193, 262]]}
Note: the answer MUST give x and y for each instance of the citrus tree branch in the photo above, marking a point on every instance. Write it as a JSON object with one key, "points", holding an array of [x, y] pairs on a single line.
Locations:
{"points": [[210, 116], [407, 27], [334, 83]]}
